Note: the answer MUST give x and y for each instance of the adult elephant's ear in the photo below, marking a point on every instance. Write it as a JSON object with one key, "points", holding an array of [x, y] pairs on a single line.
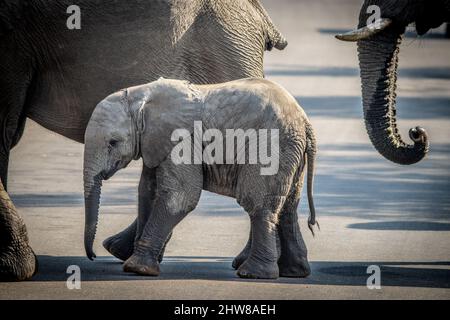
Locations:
{"points": [[274, 38], [140, 125]]}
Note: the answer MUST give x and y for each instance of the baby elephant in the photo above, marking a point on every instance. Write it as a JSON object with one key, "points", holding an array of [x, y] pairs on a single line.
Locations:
{"points": [[211, 137]]}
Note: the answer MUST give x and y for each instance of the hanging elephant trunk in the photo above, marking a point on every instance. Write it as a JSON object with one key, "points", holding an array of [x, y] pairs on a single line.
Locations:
{"points": [[92, 190], [378, 43], [378, 58]]}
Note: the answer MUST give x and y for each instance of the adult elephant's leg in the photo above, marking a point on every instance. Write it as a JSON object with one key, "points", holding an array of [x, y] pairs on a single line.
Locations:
{"points": [[12, 121], [121, 245], [293, 260], [17, 260], [241, 257]]}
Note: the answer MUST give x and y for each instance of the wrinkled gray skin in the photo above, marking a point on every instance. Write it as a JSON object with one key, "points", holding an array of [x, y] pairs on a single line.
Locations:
{"points": [[378, 58], [56, 76], [139, 122], [13, 230]]}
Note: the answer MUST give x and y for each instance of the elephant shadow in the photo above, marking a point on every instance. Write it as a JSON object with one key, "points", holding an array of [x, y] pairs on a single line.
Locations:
{"points": [[402, 225], [349, 273]]}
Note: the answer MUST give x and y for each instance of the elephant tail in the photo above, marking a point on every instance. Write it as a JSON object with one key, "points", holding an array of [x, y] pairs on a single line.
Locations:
{"points": [[311, 150]]}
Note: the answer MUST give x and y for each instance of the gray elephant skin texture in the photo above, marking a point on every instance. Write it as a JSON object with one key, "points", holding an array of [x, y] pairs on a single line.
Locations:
{"points": [[56, 76], [378, 59], [140, 122]]}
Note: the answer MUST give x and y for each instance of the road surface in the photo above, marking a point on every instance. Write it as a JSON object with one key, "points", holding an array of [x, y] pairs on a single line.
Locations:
{"points": [[371, 212]]}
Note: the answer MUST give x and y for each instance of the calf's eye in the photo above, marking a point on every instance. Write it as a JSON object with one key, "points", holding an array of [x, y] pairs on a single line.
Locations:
{"points": [[113, 143]]}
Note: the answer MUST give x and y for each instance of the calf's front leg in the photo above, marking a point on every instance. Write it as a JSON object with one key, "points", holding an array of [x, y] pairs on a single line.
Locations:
{"points": [[121, 245], [147, 195], [178, 192]]}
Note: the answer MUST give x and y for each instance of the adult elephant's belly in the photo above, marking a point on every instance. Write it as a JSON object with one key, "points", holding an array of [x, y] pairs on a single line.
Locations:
{"points": [[63, 101]]}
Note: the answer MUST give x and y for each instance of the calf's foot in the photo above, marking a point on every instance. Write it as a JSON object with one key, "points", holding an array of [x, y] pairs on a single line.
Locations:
{"points": [[253, 269], [294, 267], [121, 245], [142, 264]]}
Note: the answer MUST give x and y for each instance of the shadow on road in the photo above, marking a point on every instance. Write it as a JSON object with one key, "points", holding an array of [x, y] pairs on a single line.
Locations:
{"points": [[350, 107], [402, 225], [298, 70], [352, 180], [403, 274]]}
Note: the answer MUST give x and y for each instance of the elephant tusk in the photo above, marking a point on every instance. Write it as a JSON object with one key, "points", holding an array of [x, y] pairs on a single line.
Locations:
{"points": [[365, 32]]}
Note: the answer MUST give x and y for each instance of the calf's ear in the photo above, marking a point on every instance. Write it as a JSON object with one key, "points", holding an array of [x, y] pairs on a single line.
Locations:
{"points": [[158, 122], [140, 119]]}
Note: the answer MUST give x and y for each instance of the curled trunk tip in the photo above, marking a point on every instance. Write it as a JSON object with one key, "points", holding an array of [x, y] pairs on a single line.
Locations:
{"points": [[418, 135]]}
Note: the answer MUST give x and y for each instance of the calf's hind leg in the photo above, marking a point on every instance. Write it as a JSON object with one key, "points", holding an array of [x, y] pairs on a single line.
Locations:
{"points": [[262, 260], [241, 257], [293, 260], [244, 254]]}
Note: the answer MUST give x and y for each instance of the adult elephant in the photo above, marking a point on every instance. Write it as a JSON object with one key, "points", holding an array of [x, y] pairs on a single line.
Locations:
{"points": [[378, 48], [56, 75]]}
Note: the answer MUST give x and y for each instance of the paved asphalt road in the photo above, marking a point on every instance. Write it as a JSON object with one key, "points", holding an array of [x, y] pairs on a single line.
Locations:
{"points": [[372, 212]]}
